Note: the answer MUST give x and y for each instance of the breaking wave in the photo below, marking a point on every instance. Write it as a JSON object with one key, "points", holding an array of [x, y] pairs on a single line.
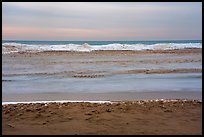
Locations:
{"points": [[18, 47]]}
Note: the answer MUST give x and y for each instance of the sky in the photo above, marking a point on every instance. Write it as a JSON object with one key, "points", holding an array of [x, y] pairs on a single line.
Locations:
{"points": [[101, 21]]}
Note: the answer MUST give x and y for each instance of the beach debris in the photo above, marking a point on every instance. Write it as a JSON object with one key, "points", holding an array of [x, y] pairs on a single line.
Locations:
{"points": [[88, 118], [10, 125], [6, 112], [38, 109], [108, 110], [88, 75], [162, 106], [20, 114], [29, 110], [107, 104], [52, 112], [88, 113], [69, 118], [168, 110]]}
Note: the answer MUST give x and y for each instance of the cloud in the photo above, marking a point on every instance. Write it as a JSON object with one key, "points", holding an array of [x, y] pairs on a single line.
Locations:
{"points": [[144, 20]]}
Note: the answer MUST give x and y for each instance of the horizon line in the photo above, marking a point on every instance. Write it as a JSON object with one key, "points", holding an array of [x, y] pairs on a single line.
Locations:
{"points": [[104, 40]]}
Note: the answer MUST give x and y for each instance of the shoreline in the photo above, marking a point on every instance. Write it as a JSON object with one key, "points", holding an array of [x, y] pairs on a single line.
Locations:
{"points": [[109, 96], [111, 52], [143, 117], [99, 101]]}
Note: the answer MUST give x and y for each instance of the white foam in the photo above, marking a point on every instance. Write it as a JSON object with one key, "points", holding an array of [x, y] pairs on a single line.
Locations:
{"points": [[58, 101], [100, 102], [18, 47]]}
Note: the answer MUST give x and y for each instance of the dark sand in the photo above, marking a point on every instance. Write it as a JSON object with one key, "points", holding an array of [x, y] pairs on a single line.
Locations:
{"points": [[181, 117]]}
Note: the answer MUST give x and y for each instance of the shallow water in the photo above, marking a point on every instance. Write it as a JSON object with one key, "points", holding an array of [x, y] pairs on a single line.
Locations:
{"points": [[115, 83], [95, 77]]}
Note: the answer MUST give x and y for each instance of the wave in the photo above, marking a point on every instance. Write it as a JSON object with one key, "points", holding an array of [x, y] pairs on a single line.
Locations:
{"points": [[18, 47]]}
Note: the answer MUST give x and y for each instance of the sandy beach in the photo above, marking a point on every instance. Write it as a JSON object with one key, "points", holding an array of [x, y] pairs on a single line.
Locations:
{"points": [[102, 68], [153, 117]]}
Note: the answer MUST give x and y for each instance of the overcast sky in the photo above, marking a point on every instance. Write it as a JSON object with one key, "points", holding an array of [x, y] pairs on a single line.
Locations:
{"points": [[101, 21]]}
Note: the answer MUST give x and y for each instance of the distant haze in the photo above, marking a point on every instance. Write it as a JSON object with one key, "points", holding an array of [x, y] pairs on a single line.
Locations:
{"points": [[101, 21]]}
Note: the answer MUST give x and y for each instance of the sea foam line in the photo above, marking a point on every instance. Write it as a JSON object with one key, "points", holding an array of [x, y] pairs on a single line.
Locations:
{"points": [[102, 102], [57, 101]]}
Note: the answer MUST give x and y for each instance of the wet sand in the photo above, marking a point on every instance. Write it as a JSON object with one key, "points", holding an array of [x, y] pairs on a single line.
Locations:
{"points": [[103, 63], [110, 96], [151, 117]]}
